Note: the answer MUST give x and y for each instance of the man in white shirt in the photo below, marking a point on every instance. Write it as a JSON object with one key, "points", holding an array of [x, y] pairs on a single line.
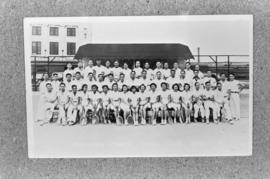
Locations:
{"points": [[74, 106], [108, 69], [96, 102], [234, 89], [55, 83], [62, 103], [189, 71], [49, 98], [42, 85], [187, 101], [197, 68], [109, 81], [144, 80], [209, 98], [166, 71], [183, 80], [121, 81], [222, 103], [126, 70], [84, 100], [133, 81], [100, 69], [138, 69], [134, 103], [79, 69], [176, 68], [158, 69], [116, 70], [89, 69], [164, 93], [100, 82], [115, 99], [158, 80], [209, 77], [224, 82], [68, 82], [78, 81], [149, 71], [172, 79], [68, 70], [197, 95]]}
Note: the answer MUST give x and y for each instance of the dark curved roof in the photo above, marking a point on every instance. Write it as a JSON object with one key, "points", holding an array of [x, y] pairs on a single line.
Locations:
{"points": [[135, 51]]}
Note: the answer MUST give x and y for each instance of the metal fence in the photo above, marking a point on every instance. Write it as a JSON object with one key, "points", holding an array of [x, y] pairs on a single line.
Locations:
{"points": [[50, 64]]}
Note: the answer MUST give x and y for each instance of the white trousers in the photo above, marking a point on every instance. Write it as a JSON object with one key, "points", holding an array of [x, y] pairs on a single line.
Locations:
{"points": [[235, 105], [197, 108], [207, 106]]}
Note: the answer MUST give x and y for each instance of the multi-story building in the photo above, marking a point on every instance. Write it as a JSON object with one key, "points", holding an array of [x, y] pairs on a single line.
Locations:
{"points": [[58, 40]]}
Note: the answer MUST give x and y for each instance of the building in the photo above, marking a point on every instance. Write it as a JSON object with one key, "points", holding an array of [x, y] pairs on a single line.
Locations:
{"points": [[58, 40]]}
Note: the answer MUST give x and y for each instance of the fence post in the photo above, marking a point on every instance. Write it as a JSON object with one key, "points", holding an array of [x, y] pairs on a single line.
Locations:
{"points": [[198, 55], [48, 65], [228, 72], [35, 74], [216, 65]]}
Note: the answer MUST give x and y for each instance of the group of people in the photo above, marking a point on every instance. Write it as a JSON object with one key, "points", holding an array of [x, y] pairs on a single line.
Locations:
{"points": [[138, 96]]}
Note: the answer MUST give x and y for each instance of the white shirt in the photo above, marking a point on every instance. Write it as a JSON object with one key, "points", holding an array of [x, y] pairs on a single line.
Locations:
{"points": [[99, 69], [157, 70], [225, 85], [94, 96], [107, 71], [150, 73], [164, 96], [50, 97], [42, 86], [126, 72], [219, 96], [88, 70], [81, 70], [138, 71], [186, 96], [209, 94], [189, 74], [84, 97], [78, 83], [152, 95], [158, 83], [171, 81], [74, 98], [212, 80], [176, 95], [166, 73], [55, 85], [66, 72], [117, 71], [63, 97], [133, 82], [233, 85], [68, 85], [134, 98]]}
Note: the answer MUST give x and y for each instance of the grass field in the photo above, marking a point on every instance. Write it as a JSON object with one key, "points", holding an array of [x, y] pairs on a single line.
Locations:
{"points": [[196, 139]]}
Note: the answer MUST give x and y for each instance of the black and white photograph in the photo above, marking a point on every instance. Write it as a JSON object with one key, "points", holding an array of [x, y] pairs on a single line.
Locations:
{"points": [[139, 86]]}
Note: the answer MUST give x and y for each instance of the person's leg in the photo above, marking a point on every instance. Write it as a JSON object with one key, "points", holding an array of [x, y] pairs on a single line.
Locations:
{"points": [[233, 106], [207, 111], [196, 110], [201, 108], [237, 106], [61, 114], [215, 111]]}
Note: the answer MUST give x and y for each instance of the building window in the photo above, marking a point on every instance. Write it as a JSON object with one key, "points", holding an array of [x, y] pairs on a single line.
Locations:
{"points": [[54, 48], [54, 31], [71, 31], [36, 30], [71, 48], [36, 48]]}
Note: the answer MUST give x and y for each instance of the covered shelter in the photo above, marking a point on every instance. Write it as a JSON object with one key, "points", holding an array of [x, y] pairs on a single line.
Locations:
{"points": [[129, 53]]}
